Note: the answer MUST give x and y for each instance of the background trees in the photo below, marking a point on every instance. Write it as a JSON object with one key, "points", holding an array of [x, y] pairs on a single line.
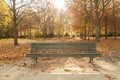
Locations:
{"points": [[91, 12], [41, 18]]}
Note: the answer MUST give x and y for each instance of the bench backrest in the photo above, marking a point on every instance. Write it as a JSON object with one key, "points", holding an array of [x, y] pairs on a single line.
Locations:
{"points": [[73, 47]]}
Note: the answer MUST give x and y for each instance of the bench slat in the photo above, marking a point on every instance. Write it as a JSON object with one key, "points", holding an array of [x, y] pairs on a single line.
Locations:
{"points": [[79, 46], [64, 55]]}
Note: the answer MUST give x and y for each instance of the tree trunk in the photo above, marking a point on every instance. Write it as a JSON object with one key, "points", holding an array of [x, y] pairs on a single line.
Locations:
{"points": [[114, 22], [85, 21], [15, 24], [106, 26], [44, 28], [30, 32], [25, 33], [97, 30], [60, 25], [85, 31], [20, 33], [97, 22], [88, 33]]}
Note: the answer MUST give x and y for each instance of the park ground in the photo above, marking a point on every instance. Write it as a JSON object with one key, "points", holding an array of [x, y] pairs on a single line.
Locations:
{"points": [[15, 66]]}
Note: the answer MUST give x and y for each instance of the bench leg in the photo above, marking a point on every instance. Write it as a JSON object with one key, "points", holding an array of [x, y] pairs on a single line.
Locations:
{"points": [[91, 60]]}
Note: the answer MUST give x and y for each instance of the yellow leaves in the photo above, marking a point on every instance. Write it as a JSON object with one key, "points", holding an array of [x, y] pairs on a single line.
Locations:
{"points": [[4, 13]]}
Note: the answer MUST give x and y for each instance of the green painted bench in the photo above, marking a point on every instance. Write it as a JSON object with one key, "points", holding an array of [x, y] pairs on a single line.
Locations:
{"points": [[65, 49]]}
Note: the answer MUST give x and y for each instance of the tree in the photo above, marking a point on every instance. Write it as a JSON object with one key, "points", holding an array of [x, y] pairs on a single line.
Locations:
{"points": [[15, 7], [44, 17], [99, 10]]}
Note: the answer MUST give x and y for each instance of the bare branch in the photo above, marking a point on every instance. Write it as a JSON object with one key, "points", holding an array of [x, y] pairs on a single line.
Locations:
{"points": [[22, 18], [106, 2], [24, 5], [18, 16]]}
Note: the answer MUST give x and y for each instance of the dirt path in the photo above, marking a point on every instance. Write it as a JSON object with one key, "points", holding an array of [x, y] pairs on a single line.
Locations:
{"points": [[52, 69]]}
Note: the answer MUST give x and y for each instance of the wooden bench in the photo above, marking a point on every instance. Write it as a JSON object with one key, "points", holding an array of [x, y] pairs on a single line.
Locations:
{"points": [[66, 49]]}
